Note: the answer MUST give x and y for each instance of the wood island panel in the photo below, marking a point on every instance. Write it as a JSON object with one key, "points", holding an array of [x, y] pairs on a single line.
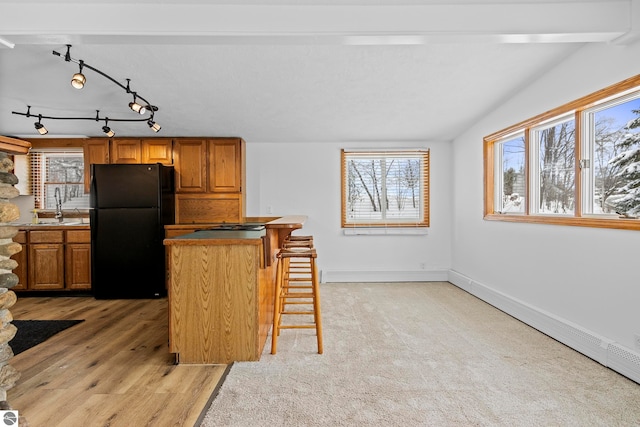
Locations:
{"points": [[221, 297], [221, 291]]}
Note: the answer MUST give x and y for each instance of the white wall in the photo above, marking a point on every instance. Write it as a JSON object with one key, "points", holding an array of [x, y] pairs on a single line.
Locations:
{"points": [[580, 276], [304, 179]]}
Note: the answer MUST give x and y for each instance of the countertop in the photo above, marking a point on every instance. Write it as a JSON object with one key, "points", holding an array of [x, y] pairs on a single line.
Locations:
{"points": [[75, 225], [287, 222], [207, 237]]}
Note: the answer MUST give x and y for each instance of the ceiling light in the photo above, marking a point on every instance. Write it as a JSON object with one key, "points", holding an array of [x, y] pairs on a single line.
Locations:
{"points": [[107, 130], [153, 125], [40, 127], [78, 80], [137, 107]]}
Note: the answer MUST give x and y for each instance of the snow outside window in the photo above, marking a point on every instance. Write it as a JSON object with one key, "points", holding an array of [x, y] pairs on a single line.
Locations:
{"points": [[511, 180], [578, 164], [611, 160]]}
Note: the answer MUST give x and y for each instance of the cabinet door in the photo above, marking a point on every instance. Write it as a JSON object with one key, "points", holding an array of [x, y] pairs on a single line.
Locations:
{"points": [[157, 151], [21, 257], [78, 266], [190, 156], [96, 151], [209, 208], [126, 151], [224, 166], [46, 266]]}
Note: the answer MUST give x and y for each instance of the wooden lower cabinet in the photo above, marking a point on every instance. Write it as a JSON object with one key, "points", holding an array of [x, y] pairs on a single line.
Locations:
{"points": [[46, 266], [53, 260], [46, 260], [77, 259], [221, 297]]}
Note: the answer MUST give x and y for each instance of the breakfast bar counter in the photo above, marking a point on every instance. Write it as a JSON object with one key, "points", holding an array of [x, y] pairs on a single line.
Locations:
{"points": [[221, 289]]}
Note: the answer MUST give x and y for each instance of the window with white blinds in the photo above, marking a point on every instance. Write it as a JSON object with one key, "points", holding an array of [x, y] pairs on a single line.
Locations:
{"points": [[385, 188], [57, 174]]}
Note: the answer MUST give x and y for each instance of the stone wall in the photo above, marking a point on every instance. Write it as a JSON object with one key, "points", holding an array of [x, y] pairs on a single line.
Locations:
{"points": [[8, 212]]}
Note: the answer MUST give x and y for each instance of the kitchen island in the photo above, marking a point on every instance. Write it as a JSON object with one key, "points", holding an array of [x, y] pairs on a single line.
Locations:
{"points": [[221, 289]]}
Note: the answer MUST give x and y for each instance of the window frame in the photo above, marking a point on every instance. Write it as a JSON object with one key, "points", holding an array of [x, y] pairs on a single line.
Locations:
{"points": [[577, 108], [386, 223]]}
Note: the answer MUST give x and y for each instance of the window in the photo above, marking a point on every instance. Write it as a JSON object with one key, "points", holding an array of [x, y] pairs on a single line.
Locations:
{"points": [[57, 174], [612, 144], [510, 177], [385, 188], [578, 164], [553, 156]]}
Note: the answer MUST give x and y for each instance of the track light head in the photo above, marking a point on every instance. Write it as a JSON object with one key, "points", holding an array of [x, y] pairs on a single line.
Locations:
{"points": [[107, 130], [40, 127], [153, 125], [78, 80], [140, 109]]}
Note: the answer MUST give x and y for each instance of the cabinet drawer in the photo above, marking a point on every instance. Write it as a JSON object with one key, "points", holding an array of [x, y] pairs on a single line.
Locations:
{"points": [[51, 236], [78, 236]]}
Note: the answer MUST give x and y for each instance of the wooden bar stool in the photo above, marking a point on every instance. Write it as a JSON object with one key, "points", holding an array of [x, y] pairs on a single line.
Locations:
{"points": [[299, 266], [296, 289]]}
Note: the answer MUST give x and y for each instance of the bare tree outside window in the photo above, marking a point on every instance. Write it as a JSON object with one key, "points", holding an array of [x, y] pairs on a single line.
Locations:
{"points": [[385, 187], [557, 168]]}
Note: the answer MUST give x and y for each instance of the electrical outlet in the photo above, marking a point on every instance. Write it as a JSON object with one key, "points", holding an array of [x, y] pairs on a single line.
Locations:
{"points": [[423, 266], [637, 340], [269, 210]]}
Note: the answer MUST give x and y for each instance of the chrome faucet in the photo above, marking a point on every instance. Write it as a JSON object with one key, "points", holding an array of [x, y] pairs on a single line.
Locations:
{"points": [[56, 195]]}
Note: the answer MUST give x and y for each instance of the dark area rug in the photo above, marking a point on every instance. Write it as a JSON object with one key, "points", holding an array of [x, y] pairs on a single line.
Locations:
{"points": [[33, 332]]}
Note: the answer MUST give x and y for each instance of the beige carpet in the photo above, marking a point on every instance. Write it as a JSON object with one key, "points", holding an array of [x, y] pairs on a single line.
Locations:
{"points": [[421, 354]]}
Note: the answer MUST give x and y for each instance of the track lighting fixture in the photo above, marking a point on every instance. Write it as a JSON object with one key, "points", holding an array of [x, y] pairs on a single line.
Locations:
{"points": [[40, 127], [137, 107], [78, 81], [153, 125], [106, 129]]}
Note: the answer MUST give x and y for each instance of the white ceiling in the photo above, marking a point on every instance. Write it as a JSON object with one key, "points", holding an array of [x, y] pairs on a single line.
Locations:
{"points": [[296, 71]]}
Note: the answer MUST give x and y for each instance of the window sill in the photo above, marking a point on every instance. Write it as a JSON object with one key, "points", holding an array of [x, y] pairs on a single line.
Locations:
{"points": [[383, 231], [608, 222]]}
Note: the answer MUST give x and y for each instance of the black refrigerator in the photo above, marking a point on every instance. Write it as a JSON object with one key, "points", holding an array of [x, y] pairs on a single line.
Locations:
{"points": [[130, 205]]}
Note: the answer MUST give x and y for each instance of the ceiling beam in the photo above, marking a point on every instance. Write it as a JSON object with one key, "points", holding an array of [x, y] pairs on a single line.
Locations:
{"points": [[140, 23]]}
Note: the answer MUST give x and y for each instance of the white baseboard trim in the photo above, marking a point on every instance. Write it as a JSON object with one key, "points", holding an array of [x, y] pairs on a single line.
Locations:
{"points": [[603, 350], [334, 276]]}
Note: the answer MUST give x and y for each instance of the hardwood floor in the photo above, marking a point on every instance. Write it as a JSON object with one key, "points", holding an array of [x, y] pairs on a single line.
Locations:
{"points": [[113, 369]]}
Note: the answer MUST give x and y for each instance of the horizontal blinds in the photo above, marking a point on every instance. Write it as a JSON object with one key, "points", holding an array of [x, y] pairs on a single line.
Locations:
{"points": [[385, 188], [43, 178], [35, 172]]}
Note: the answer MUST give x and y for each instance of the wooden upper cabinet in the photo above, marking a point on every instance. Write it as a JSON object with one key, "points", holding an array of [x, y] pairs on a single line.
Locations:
{"points": [[225, 166], [96, 151], [125, 150], [190, 160], [135, 150], [157, 151]]}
